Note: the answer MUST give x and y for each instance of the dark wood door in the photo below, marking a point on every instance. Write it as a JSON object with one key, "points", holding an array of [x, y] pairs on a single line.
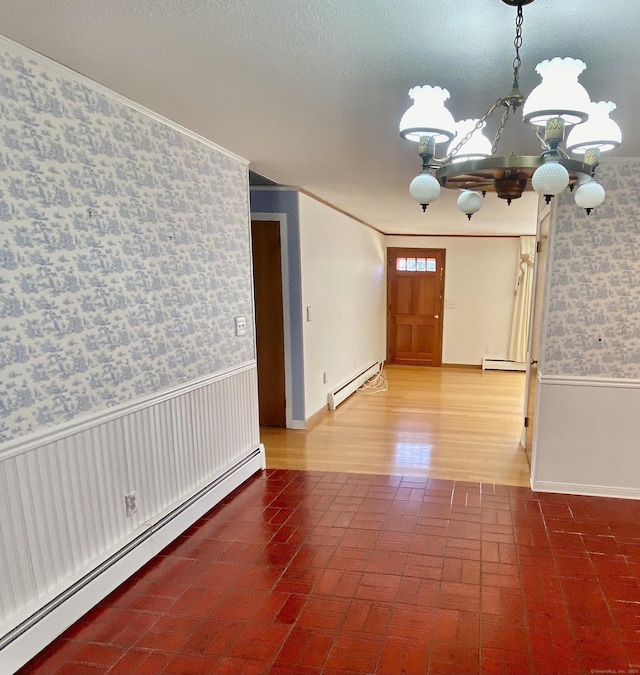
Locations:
{"points": [[267, 283], [414, 300]]}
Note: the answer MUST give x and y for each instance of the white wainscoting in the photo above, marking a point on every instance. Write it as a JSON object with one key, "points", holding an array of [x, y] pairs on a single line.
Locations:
{"points": [[62, 508], [587, 436]]}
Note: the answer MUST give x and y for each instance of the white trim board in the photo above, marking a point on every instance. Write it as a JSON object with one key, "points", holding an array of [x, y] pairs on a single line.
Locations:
{"points": [[26, 444], [589, 381], [69, 606], [590, 490], [63, 71]]}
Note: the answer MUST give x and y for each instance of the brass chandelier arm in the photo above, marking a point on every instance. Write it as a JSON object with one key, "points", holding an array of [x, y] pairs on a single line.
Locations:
{"points": [[540, 137]]}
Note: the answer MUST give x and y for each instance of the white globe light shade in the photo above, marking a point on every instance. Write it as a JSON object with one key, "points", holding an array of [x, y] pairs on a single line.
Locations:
{"points": [[589, 195], [599, 131], [428, 116], [424, 188], [559, 94], [550, 179], [477, 147], [469, 202]]}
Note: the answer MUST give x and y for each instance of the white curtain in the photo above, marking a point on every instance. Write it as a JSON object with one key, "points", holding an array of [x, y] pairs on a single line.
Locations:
{"points": [[522, 302]]}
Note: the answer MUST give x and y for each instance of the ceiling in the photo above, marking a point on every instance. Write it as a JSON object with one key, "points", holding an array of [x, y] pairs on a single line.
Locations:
{"points": [[312, 92]]}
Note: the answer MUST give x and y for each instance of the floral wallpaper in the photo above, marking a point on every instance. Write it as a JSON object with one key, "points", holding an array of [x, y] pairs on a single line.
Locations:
{"points": [[124, 251], [593, 317]]}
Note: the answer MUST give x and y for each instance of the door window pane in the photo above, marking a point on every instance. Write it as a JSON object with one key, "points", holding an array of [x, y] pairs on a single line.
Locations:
{"points": [[416, 264]]}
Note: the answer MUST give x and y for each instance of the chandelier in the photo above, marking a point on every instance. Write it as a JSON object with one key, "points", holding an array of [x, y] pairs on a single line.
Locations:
{"points": [[471, 163]]}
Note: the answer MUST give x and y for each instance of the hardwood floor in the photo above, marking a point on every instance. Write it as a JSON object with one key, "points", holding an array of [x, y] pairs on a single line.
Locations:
{"points": [[450, 423]]}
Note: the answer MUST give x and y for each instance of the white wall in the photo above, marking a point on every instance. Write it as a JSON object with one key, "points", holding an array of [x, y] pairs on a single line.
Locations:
{"points": [[480, 277], [344, 285]]}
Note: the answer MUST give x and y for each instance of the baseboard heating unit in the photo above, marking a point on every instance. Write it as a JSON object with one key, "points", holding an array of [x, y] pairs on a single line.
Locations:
{"points": [[36, 631], [502, 364], [336, 397]]}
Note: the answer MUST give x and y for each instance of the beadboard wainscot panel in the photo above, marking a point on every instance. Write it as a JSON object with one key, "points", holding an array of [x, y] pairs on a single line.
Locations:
{"points": [[62, 508], [175, 443], [586, 437]]}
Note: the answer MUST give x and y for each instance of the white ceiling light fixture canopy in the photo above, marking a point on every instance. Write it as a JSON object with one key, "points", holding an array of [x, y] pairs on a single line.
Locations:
{"points": [[472, 163]]}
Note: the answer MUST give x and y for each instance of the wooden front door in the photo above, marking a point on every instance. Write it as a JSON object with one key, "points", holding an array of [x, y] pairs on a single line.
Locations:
{"points": [[267, 284], [415, 285]]}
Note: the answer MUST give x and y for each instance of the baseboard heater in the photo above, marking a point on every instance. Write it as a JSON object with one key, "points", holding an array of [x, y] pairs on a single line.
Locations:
{"points": [[336, 397], [33, 634], [502, 364]]}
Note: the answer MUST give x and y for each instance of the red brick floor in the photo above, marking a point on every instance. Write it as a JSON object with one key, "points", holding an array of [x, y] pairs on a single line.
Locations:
{"points": [[300, 572]]}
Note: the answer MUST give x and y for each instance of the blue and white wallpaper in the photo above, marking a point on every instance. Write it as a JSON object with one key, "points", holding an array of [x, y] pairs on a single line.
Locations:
{"points": [[593, 317], [124, 251]]}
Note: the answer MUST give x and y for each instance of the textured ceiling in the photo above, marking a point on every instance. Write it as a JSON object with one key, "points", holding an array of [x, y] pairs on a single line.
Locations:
{"points": [[312, 92]]}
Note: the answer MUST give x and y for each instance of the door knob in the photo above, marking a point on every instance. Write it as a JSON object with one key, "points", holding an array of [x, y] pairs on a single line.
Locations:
{"points": [[436, 316], [534, 362]]}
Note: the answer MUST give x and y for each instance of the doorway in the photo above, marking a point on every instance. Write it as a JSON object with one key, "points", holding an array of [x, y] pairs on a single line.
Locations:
{"points": [[415, 284], [535, 330], [269, 312]]}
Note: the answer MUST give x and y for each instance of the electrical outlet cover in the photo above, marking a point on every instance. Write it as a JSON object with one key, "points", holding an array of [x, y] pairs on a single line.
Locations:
{"points": [[241, 325], [131, 503]]}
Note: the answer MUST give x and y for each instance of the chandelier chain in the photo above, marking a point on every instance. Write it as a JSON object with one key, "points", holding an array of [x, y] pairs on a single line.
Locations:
{"points": [[517, 43], [503, 121], [479, 124], [517, 63]]}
